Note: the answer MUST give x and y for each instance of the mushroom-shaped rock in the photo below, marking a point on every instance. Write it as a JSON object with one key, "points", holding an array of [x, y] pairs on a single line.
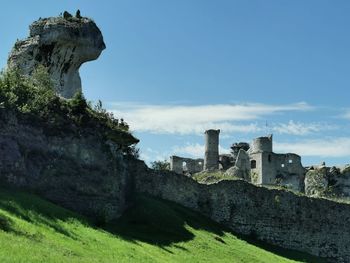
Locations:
{"points": [[62, 45]]}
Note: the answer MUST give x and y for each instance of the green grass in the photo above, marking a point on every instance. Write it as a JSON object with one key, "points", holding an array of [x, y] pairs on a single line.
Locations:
{"points": [[34, 230]]}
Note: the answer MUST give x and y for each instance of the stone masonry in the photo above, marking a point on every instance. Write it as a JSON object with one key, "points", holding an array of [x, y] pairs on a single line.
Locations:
{"points": [[256, 163], [316, 226], [185, 165], [211, 154]]}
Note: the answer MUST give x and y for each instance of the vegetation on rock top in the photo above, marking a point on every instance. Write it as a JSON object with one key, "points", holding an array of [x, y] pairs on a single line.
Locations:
{"points": [[33, 99]]}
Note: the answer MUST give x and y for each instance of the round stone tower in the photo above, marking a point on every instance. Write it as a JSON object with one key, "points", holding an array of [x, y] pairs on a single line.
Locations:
{"points": [[262, 144], [211, 156]]}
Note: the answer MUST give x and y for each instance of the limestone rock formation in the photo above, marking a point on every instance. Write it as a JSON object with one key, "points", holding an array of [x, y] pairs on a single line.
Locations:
{"points": [[62, 45], [316, 182], [331, 182], [76, 168], [242, 166]]}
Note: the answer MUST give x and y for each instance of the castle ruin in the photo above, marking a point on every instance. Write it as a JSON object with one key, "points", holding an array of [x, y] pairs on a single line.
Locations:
{"points": [[184, 165], [271, 168], [255, 162]]}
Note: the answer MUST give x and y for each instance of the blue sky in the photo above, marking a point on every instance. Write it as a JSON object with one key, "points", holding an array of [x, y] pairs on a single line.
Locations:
{"points": [[172, 69]]}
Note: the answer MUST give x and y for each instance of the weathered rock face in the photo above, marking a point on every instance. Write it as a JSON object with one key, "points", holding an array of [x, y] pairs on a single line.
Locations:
{"points": [[236, 147], [317, 226], [62, 45], [328, 182], [316, 182], [78, 170]]}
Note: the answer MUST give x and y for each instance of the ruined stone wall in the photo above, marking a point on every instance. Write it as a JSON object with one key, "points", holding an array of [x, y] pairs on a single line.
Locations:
{"points": [[176, 164], [279, 169], [268, 171], [316, 226], [256, 164], [77, 170], [180, 164], [289, 171]]}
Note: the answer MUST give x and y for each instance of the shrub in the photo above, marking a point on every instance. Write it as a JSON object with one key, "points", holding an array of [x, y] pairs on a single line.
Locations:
{"points": [[36, 99], [78, 103], [160, 165]]}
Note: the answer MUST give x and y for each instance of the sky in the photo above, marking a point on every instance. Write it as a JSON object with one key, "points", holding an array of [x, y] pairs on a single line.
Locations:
{"points": [[173, 69]]}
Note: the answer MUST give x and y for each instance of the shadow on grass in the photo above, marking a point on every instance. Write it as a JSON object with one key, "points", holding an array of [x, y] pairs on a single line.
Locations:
{"points": [[35, 210], [157, 222], [163, 223], [283, 252]]}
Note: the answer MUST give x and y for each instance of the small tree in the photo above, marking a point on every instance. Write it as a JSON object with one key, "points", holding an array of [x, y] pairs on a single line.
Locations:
{"points": [[41, 78], [78, 103], [160, 165]]}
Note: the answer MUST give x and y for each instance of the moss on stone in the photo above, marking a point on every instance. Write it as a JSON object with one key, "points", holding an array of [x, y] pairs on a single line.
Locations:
{"points": [[208, 177]]}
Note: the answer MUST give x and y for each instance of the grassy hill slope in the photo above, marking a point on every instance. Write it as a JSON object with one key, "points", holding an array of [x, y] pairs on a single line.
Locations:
{"points": [[34, 230]]}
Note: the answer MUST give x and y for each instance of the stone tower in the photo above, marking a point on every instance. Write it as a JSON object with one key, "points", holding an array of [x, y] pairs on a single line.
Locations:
{"points": [[211, 156], [262, 144]]}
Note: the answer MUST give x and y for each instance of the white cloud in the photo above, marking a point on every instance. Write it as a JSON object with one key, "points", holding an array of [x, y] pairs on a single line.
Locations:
{"points": [[346, 115], [194, 150], [195, 119], [330, 147], [299, 128], [149, 155]]}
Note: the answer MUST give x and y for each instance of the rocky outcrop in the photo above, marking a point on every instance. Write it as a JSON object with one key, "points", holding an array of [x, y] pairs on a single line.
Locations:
{"points": [[78, 169], [62, 45], [316, 182], [333, 182], [242, 166]]}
